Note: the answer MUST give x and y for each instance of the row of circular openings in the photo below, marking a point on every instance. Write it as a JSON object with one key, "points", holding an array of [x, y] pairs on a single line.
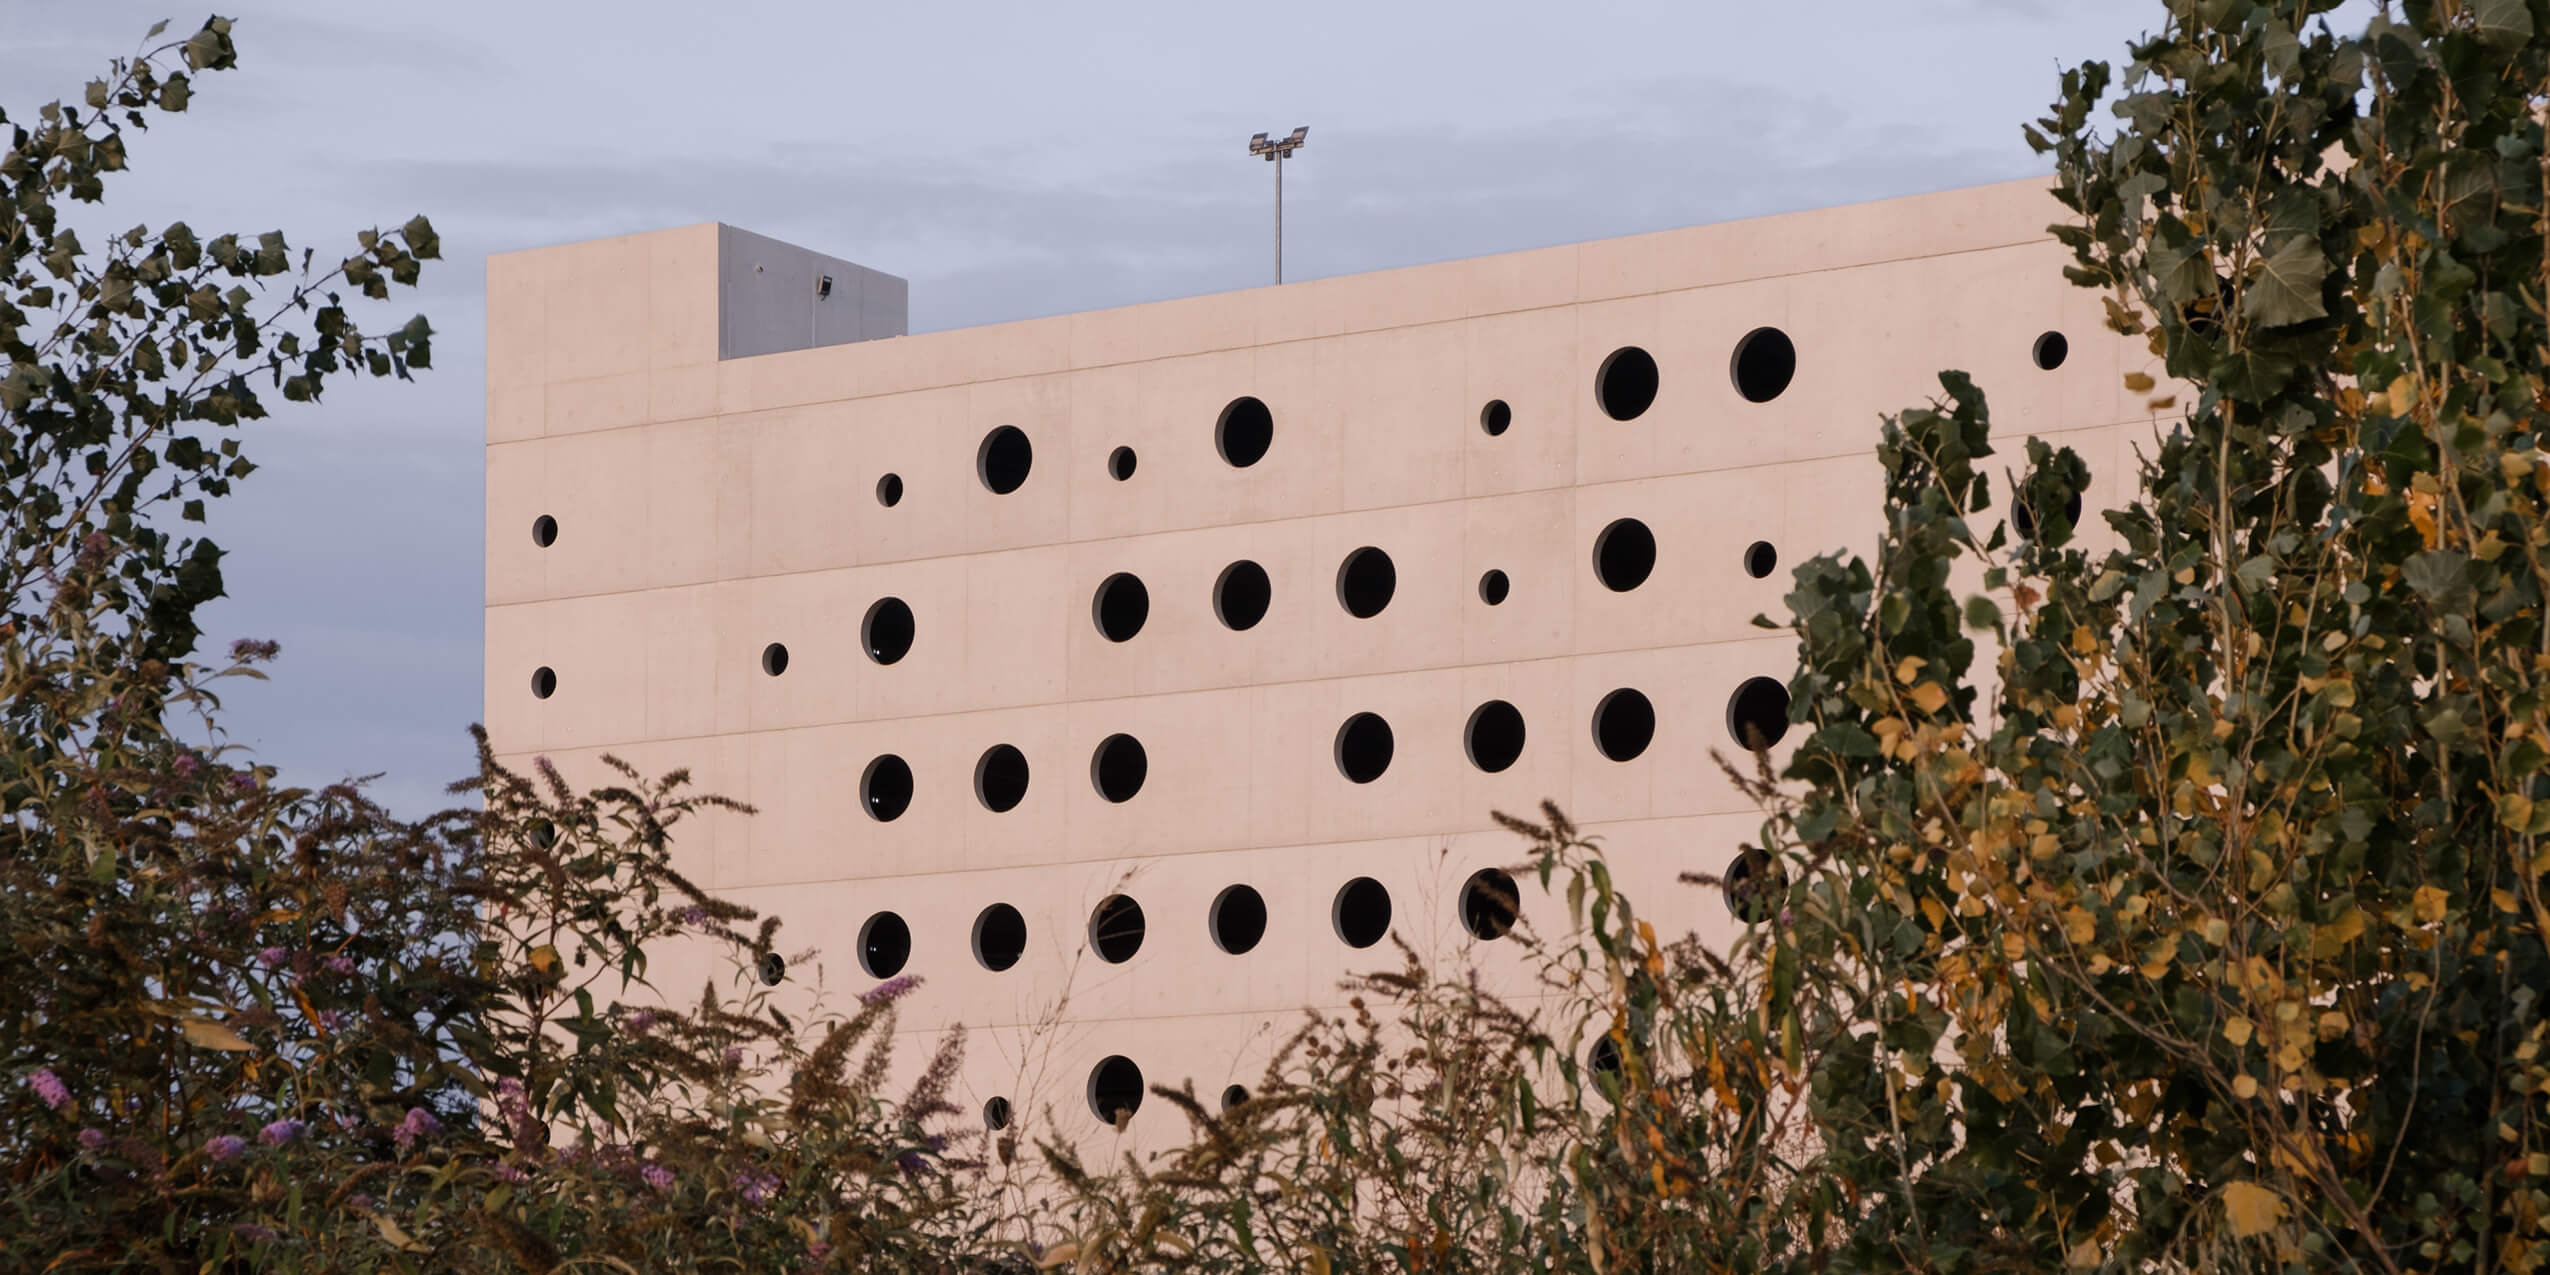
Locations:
{"points": [[1624, 724], [1003, 460]]}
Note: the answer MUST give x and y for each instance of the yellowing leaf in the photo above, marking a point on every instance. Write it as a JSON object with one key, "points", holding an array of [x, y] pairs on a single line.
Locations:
{"points": [[2086, 1254], [1933, 913], [1928, 697], [2429, 903], [2254, 1209], [544, 958], [396, 1237], [2245, 1085], [1058, 1255], [208, 1034], [2138, 382], [2236, 1030], [1908, 668], [2078, 925], [2504, 899]]}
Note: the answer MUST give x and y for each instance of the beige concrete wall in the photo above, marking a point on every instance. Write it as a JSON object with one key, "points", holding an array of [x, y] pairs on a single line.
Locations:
{"points": [[707, 509]]}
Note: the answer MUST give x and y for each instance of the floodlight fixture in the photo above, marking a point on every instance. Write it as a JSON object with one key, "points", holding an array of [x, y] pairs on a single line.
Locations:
{"points": [[1275, 151]]}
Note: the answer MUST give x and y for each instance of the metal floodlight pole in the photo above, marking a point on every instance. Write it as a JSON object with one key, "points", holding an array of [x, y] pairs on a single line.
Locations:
{"points": [[1275, 151]]}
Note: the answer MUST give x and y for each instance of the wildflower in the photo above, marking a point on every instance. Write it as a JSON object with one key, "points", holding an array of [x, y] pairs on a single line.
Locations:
{"points": [[340, 964], [734, 1055], [692, 916], [330, 1021], [281, 1132], [273, 957], [254, 1233], [642, 1021], [510, 1173], [225, 1148], [911, 1164], [93, 1139], [252, 650], [49, 1088], [755, 1186], [891, 989], [186, 765], [817, 1250], [419, 1123], [243, 780], [361, 1201], [657, 1176]]}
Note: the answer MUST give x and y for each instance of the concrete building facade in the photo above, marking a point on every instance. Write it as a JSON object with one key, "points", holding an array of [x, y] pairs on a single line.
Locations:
{"points": [[1129, 675]]}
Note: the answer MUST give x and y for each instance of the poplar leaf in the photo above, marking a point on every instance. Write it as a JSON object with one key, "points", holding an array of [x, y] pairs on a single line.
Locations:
{"points": [[2504, 23], [208, 1034], [2429, 903], [2287, 289], [1928, 697], [2253, 1209]]}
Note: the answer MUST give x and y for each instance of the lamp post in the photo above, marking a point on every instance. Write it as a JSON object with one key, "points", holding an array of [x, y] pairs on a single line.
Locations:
{"points": [[1275, 151]]}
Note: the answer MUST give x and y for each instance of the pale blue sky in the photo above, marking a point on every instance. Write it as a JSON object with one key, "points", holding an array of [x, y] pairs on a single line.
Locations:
{"points": [[1009, 159]]}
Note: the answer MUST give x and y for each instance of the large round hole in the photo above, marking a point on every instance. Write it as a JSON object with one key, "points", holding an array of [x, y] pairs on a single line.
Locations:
{"points": [[1115, 1090], [1120, 606], [1494, 736], [1490, 903], [1751, 884], [1496, 417], [996, 1114], [1624, 724], [1000, 937], [1118, 767], [544, 682], [1000, 778], [773, 968], [1493, 587], [544, 531], [2023, 514], [1237, 919], [886, 633], [1244, 432], [1602, 1063], [890, 490], [1365, 581], [1624, 555], [1758, 712], [1760, 558], [885, 788], [1116, 929], [1120, 463], [1364, 747], [885, 945], [1003, 460], [1241, 594], [774, 659], [2051, 349], [1626, 385], [1232, 1096], [1361, 914], [1763, 364]]}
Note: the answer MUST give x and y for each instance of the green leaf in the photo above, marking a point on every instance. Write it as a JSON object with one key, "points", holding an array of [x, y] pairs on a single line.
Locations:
{"points": [[2504, 23], [2287, 289], [1982, 612]]}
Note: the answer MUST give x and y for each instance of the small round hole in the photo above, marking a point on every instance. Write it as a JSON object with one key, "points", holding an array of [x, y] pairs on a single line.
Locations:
{"points": [[1494, 736], [1493, 587], [544, 682], [1363, 747], [1003, 460], [1000, 778], [1760, 559], [890, 490], [773, 968], [1624, 555], [1232, 1096], [1758, 712], [886, 633], [1118, 767], [1120, 606], [1244, 432], [2051, 349], [1000, 937], [1241, 595], [885, 944], [1116, 929], [1120, 463], [1361, 914], [1751, 883], [774, 659], [1626, 385], [544, 531], [1365, 581], [1624, 724], [1763, 364], [1490, 903], [1237, 919], [1496, 417], [996, 1114], [1115, 1090], [885, 788]]}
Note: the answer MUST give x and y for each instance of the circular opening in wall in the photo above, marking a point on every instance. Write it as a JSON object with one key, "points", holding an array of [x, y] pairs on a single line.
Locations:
{"points": [[1244, 432], [1760, 558], [2051, 349], [890, 490], [773, 968], [1752, 882], [1120, 464], [1624, 555], [1763, 364], [1758, 712], [1494, 736], [1000, 937], [1003, 460], [1241, 594], [1490, 903], [544, 531], [1365, 581], [885, 788], [1496, 417], [2023, 514], [1120, 606], [1364, 747], [1493, 587], [1624, 724], [1232, 1096], [1118, 767], [885, 945], [1116, 929], [996, 1114], [774, 659], [886, 633], [1115, 1090], [544, 834], [1602, 1063], [544, 682], [1361, 914], [1626, 384], [1237, 919], [1000, 778]]}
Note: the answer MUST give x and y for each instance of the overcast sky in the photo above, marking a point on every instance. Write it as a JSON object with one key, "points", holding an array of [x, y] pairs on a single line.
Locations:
{"points": [[1011, 160]]}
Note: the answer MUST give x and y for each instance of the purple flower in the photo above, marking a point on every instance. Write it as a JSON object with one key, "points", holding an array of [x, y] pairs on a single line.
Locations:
{"points": [[510, 1173], [93, 1139], [692, 916], [340, 964], [280, 1132], [817, 1250], [360, 1201], [225, 1147], [273, 957], [244, 781], [251, 650], [734, 1055], [419, 1123], [911, 1164], [657, 1176], [186, 765], [891, 989], [642, 1021], [755, 1186], [330, 1020], [254, 1233], [49, 1088]]}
